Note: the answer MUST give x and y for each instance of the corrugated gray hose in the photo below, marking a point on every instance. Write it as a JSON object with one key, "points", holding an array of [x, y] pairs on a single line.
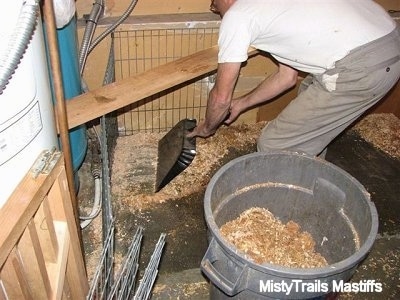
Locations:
{"points": [[18, 42], [87, 45]]}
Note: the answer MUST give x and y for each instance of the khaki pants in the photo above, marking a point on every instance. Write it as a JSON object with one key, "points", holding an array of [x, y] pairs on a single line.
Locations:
{"points": [[330, 102]]}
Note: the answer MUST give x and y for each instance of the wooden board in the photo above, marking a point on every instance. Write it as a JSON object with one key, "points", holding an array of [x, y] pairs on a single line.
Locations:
{"points": [[96, 103]]}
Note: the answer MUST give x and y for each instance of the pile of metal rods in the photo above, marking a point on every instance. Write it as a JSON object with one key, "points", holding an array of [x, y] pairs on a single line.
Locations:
{"points": [[150, 274], [123, 287], [126, 279]]}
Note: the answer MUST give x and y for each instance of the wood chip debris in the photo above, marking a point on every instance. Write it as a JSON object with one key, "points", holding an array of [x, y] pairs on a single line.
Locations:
{"points": [[135, 161], [382, 131], [265, 239]]}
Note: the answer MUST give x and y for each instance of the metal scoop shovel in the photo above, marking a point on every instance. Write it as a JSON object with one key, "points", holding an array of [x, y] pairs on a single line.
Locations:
{"points": [[175, 152]]}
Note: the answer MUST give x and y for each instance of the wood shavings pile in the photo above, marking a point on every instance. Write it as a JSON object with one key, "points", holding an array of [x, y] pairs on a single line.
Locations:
{"points": [[209, 153], [135, 161], [382, 131], [265, 239]]}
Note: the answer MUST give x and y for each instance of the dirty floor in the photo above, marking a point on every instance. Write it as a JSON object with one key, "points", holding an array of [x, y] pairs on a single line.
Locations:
{"points": [[183, 220]]}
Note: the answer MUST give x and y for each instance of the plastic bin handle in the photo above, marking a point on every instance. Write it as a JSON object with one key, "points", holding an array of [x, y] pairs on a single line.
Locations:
{"points": [[214, 253]]}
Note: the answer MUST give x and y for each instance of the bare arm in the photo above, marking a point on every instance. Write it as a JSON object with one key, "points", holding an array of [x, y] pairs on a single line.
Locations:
{"points": [[280, 81], [219, 100]]}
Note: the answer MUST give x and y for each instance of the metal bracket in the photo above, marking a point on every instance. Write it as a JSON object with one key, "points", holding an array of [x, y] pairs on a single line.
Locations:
{"points": [[45, 162]]}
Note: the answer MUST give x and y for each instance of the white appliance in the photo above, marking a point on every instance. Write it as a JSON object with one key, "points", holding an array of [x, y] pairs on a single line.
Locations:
{"points": [[27, 125]]}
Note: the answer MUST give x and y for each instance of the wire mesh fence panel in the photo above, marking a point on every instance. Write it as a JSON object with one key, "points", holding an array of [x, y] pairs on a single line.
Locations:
{"points": [[102, 281], [140, 50]]}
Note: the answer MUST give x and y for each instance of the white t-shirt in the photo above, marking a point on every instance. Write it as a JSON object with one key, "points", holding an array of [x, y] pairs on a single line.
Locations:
{"points": [[309, 35]]}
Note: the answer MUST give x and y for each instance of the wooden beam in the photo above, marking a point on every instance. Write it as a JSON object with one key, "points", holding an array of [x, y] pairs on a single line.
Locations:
{"points": [[96, 103]]}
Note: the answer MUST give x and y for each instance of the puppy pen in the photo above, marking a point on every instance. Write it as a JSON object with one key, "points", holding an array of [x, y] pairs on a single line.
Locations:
{"points": [[136, 48]]}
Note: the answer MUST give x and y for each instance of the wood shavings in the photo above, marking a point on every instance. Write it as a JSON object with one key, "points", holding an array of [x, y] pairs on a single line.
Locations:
{"points": [[135, 161], [265, 239], [191, 289], [382, 131]]}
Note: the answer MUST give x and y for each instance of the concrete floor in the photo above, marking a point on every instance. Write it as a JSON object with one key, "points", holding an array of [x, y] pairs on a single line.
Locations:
{"points": [[379, 174], [180, 277]]}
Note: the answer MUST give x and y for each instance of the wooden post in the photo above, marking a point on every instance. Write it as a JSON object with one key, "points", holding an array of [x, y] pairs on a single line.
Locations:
{"points": [[60, 106]]}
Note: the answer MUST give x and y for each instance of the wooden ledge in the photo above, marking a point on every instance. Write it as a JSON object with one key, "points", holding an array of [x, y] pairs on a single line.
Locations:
{"points": [[96, 103]]}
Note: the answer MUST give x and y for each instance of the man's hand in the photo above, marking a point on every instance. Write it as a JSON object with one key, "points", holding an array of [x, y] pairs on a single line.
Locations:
{"points": [[201, 131], [234, 111]]}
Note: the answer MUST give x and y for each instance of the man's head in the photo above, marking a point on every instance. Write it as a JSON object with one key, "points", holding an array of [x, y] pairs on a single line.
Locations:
{"points": [[221, 6]]}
